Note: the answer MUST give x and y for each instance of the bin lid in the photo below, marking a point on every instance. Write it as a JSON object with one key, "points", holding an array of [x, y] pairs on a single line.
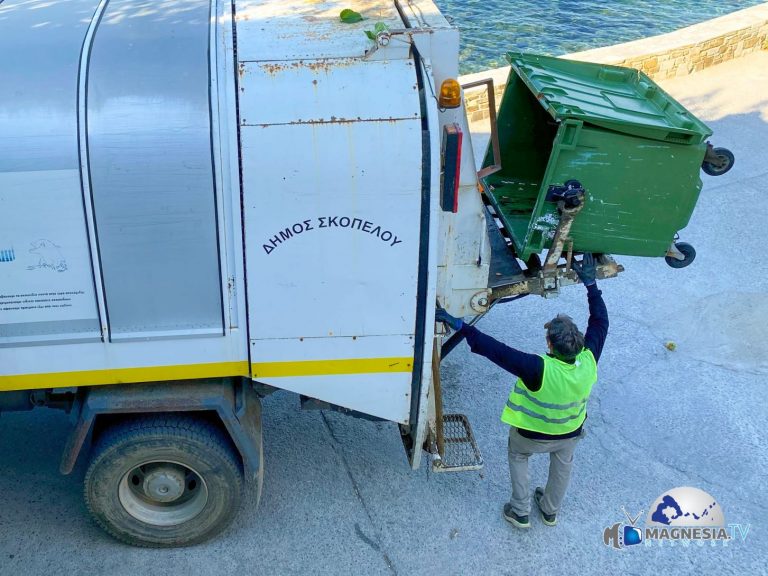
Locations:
{"points": [[620, 99]]}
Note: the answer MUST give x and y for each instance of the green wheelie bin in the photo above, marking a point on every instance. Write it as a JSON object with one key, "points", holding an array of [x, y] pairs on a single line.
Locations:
{"points": [[633, 152]]}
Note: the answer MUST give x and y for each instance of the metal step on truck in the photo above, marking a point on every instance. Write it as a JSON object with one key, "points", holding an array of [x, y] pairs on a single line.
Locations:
{"points": [[203, 201]]}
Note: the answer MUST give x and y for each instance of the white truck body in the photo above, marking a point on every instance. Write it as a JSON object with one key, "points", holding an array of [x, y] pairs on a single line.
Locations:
{"points": [[200, 189]]}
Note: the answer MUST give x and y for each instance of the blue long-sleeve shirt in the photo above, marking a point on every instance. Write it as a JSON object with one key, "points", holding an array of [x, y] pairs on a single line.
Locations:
{"points": [[530, 367]]}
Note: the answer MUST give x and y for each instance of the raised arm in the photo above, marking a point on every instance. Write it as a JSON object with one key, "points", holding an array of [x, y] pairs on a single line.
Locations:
{"points": [[529, 367], [597, 327]]}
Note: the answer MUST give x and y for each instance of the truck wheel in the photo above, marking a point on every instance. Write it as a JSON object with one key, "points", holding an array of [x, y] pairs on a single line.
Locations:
{"points": [[165, 480], [726, 160], [688, 252]]}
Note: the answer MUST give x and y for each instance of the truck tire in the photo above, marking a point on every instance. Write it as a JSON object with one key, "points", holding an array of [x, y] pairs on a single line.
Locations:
{"points": [[163, 480]]}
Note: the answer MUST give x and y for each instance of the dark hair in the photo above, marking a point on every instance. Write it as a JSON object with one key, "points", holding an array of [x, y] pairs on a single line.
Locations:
{"points": [[566, 339]]}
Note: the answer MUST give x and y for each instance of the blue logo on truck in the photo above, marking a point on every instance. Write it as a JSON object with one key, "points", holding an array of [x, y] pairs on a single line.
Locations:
{"points": [[8, 255]]}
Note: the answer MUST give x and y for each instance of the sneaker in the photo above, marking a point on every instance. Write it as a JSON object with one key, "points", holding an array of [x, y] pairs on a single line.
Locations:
{"points": [[548, 519], [515, 519]]}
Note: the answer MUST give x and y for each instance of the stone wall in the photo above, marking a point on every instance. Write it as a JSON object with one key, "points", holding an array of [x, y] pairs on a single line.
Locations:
{"points": [[675, 54]]}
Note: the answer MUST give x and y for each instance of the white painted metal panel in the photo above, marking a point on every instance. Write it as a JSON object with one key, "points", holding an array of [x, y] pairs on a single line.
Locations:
{"points": [[347, 201], [425, 14], [385, 395], [83, 363], [344, 90], [307, 349], [90, 358], [46, 282], [297, 29], [332, 197]]}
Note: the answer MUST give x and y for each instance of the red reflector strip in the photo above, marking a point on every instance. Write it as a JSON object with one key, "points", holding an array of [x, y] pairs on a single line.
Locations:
{"points": [[457, 177], [451, 168]]}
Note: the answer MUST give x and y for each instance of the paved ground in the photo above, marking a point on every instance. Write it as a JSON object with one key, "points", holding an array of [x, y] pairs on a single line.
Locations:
{"points": [[340, 499]]}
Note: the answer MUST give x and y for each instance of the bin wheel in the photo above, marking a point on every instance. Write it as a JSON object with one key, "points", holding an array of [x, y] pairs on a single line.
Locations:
{"points": [[726, 159], [163, 480], [688, 252]]}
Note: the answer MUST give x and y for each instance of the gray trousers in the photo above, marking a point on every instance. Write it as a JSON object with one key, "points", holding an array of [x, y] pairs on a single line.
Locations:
{"points": [[560, 465]]}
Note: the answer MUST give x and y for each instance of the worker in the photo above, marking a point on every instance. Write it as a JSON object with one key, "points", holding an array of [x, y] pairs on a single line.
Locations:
{"points": [[547, 406]]}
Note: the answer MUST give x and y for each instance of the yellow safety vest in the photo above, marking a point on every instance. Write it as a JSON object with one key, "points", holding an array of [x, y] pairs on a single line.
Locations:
{"points": [[560, 405]]}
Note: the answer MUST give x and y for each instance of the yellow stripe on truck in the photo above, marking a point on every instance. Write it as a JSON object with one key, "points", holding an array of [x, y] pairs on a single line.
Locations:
{"points": [[211, 370], [331, 367], [122, 375]]}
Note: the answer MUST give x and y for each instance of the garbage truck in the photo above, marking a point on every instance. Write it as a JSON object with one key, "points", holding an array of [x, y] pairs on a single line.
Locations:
{"points": [[204, 201]]}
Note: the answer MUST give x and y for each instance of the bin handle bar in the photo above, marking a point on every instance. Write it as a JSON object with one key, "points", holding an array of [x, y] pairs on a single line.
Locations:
{"points": [[496, 166]]}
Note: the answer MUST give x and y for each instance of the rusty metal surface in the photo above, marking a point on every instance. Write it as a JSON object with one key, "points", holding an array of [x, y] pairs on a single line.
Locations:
{"points": [[549, 283], [83, 419], [460, 452], [297, 29], [438, 398], [495, 147], [327, 91], [562, 232]]}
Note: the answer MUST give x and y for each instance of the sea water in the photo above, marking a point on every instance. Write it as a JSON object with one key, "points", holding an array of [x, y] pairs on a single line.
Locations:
{"points": [[489, 28]]}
